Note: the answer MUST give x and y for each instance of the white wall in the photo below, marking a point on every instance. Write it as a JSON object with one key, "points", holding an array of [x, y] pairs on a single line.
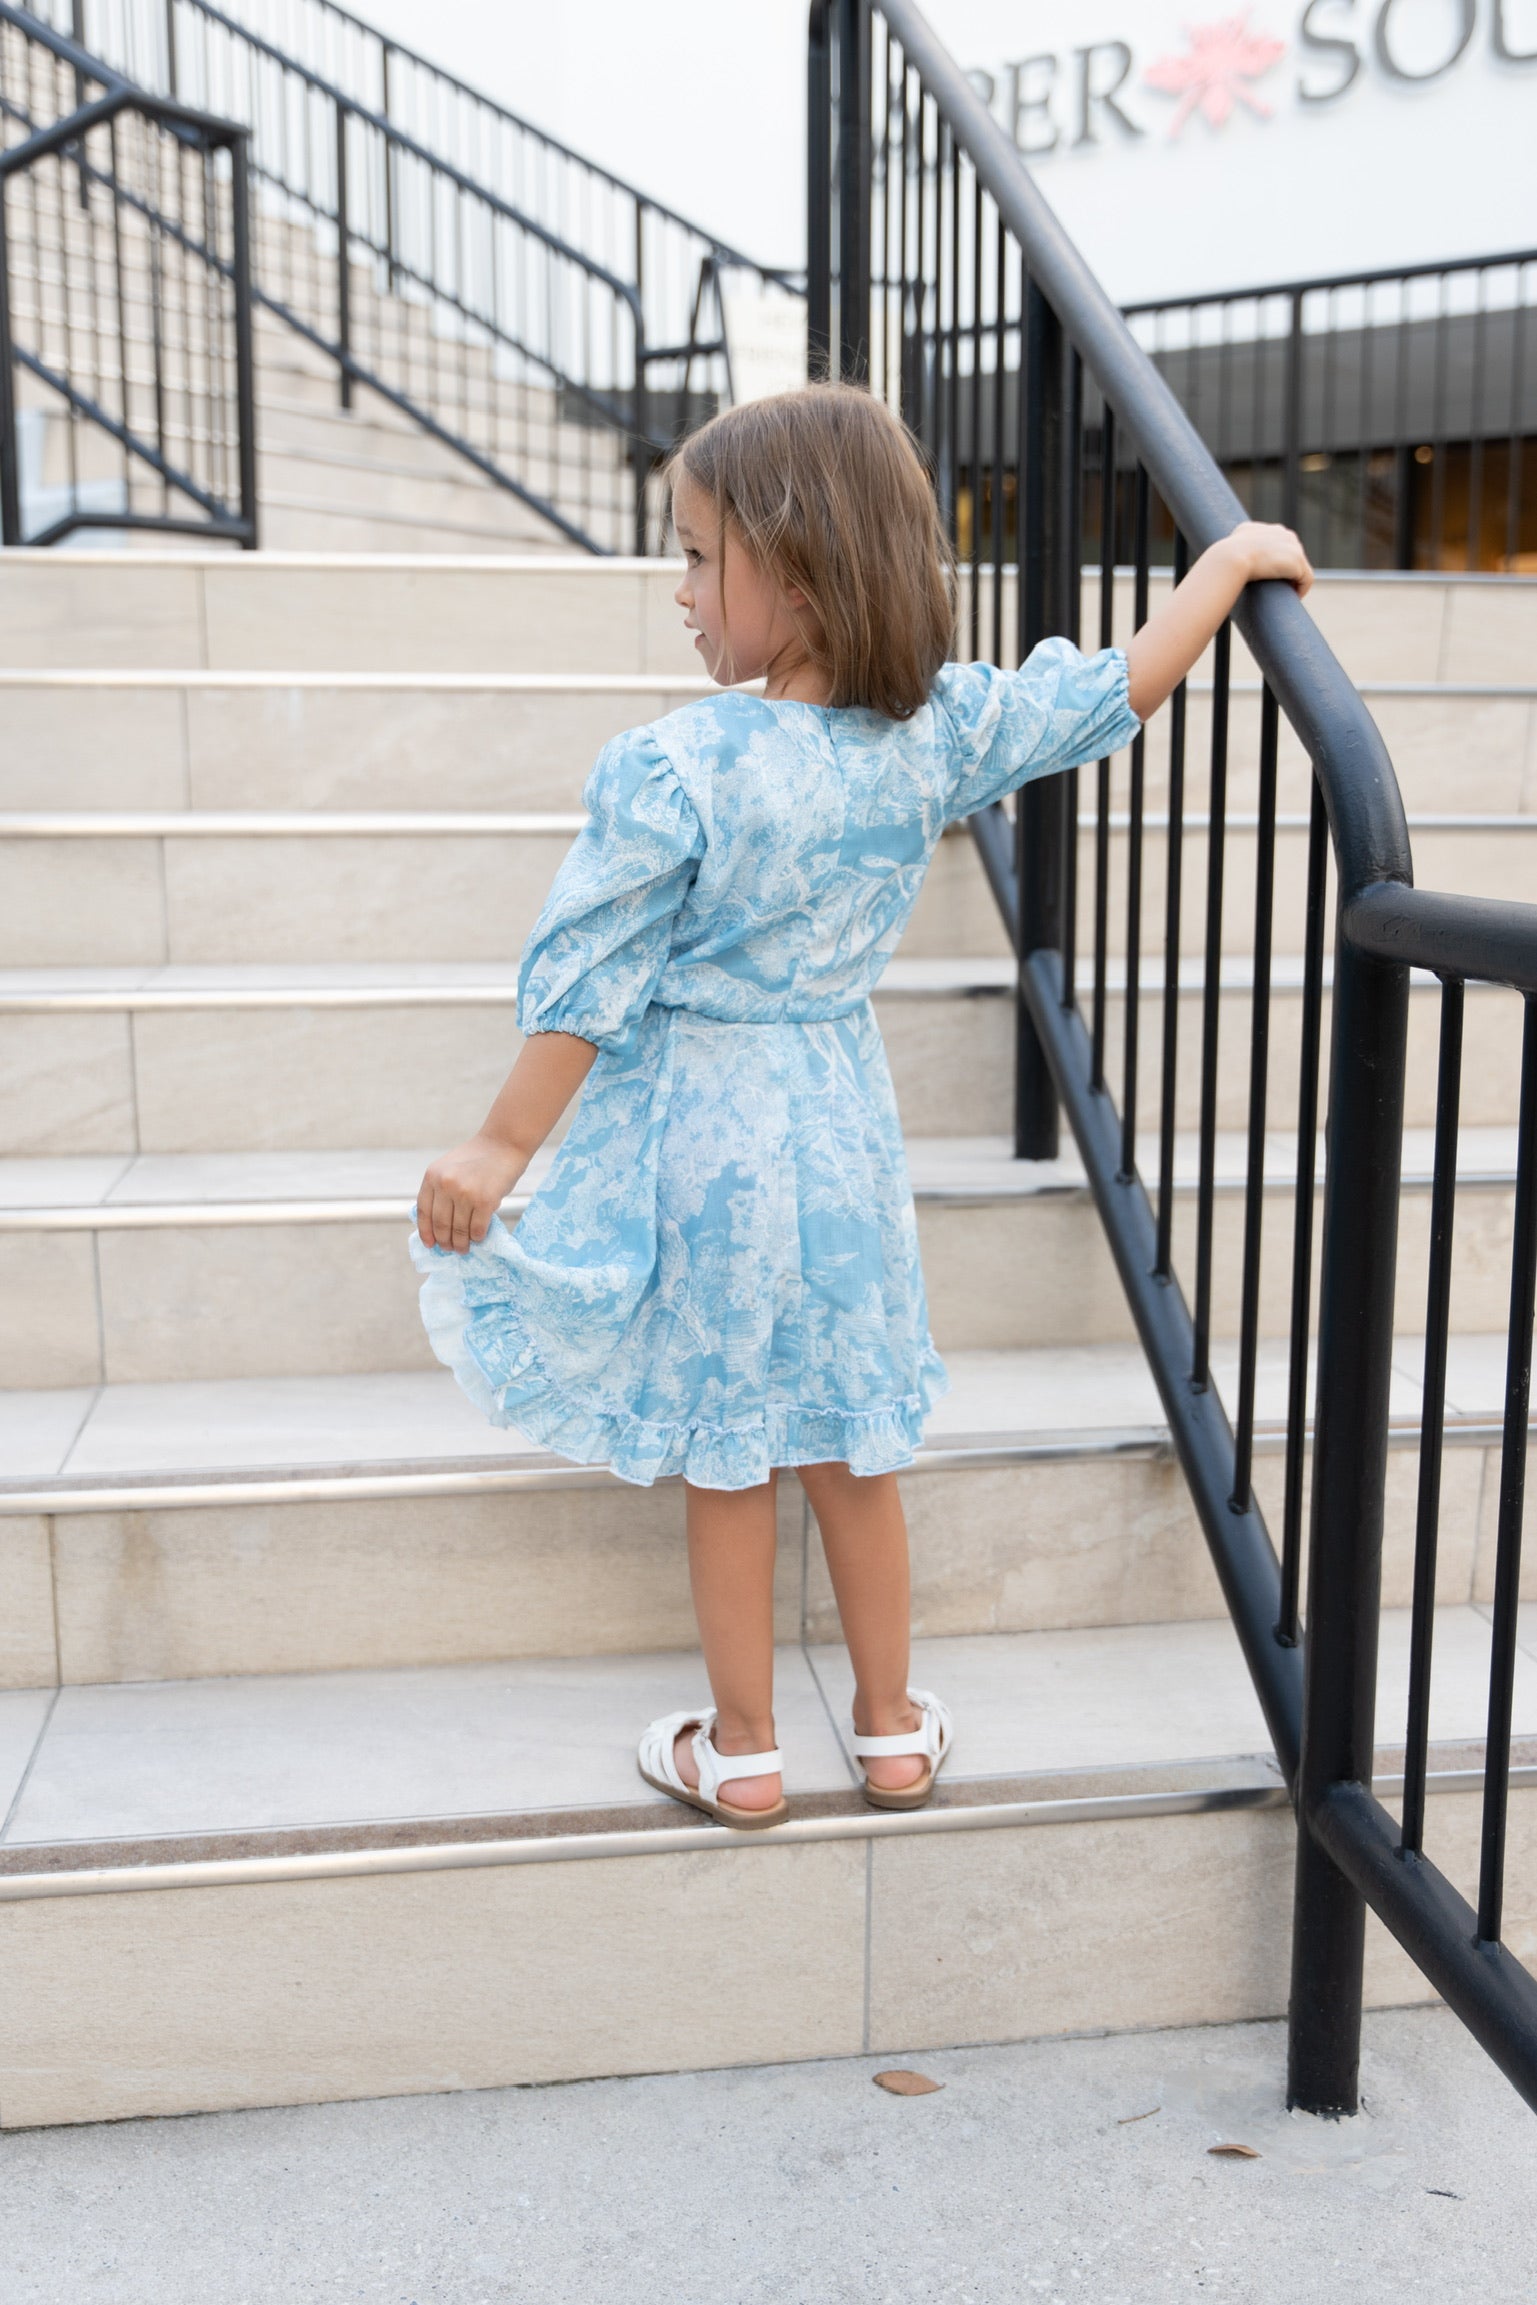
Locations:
{"points": [[703, 105]]}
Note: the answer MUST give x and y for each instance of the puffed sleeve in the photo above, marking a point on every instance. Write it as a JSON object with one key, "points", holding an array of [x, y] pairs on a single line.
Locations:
{"points": [[1058, 710], [598, 949]]}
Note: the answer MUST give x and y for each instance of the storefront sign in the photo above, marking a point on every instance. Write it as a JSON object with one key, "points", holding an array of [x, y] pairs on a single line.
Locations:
{"points": [[1251, 61]]}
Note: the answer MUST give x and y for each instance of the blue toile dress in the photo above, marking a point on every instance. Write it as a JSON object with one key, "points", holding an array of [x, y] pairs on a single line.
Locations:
{"points": [[720, 1273]]}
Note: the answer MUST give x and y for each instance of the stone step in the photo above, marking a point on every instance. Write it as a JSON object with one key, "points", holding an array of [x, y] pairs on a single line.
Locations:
{"points": [[83, 887], [169, 737], [233, 611], [296, 1058], [261, 1525], [329, 612], [170, 1267], [452, 1878]]}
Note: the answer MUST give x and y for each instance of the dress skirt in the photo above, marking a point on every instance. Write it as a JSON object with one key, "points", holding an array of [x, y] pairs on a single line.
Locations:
{"points": [[720, 1273]]}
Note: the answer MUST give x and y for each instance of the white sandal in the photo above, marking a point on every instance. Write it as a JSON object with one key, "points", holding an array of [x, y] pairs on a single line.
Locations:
{"points": [[932, 1738], [660, 1769]]}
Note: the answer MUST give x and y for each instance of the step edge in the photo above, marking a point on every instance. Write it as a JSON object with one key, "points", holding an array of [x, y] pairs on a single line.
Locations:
{"points": [[1262, 1793], [165, 1490], [635, 1841]]}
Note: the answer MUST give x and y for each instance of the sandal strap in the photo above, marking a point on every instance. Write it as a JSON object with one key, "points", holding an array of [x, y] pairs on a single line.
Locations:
{"points": [[717, 1768], [931, 1737], [883, 1748]]}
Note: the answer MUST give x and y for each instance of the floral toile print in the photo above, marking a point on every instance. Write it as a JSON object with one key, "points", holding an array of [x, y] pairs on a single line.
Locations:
{"points": [[720, 1273]]}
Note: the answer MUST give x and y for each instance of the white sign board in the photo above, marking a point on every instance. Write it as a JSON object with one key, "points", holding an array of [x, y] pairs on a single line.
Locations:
{"points": [[1192, 147]]}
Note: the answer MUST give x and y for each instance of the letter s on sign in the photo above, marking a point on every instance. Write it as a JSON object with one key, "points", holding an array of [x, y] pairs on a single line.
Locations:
{"points": [[1324, 45]]}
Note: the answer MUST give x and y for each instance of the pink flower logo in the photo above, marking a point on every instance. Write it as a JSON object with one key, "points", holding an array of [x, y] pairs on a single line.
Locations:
{"points": [[1212, 78]]}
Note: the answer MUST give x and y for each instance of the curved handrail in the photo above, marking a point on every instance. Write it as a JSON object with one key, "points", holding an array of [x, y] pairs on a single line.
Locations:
{"points": [[1366, 814]]}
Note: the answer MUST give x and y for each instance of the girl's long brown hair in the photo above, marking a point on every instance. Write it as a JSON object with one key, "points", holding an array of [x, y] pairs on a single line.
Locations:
{"points": [[825, 489]]}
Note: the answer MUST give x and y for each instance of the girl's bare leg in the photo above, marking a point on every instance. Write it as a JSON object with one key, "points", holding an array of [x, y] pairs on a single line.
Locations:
{"points": [[731, 1536], [864, 1535]]}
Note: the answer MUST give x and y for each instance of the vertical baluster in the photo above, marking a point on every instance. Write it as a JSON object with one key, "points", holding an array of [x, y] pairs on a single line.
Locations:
{"points": [[1134, 856], [1507, 1565], [1362, 558], [1438, 434], [1173, 892], [819, 196], [1071, 590], [1475, 541], [976, 416], [890, 185], [1107, 533], [996, 462], [953, 351], [1259, 1074], [10, 479], [1443, 1202], [1302, 1225], [1514, 442], [1039, 809], [905, 403], [1211, 1003]]}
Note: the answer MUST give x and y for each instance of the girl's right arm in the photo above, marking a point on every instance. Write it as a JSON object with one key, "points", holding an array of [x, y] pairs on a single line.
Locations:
{"points": [[1160, 655], [462, 1191]]}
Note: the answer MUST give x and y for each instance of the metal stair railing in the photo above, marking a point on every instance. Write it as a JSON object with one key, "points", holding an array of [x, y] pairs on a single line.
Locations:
{"points": [[1388, 415], [542, 319], [126, 367], [939, 275]]}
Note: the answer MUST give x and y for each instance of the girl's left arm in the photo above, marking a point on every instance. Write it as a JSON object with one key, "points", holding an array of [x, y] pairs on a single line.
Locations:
{"points": [[1160, 655], [463, 1190]]}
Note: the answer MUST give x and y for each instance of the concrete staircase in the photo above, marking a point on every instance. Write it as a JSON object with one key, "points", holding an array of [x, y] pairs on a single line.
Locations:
{"points": [[364, 478], [320, 1697]]}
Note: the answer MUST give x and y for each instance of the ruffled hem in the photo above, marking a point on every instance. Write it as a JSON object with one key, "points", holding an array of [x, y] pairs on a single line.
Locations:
{"points": [[739, 1456]]}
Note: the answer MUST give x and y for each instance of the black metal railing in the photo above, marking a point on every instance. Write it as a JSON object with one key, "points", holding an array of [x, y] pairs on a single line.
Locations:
{"points": [[126, 377], [1391, 417], [545, 321], [939, 275]]}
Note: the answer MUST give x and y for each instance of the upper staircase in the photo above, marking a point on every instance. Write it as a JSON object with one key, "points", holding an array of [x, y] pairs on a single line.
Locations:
{"points": [[468, 337], [318, 1745]]}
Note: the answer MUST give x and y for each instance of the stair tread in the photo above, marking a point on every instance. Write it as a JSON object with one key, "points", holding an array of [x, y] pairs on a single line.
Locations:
{"points": [[150, 1761], [72, 1186], [152, 983], [138, 1437]]}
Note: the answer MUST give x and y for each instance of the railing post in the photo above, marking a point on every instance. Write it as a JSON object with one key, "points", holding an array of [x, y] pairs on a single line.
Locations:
{"points": [[343, 260], [172, 74], [819, 189], [393, 269], [1040, 811], [640, 433], [10, 477], [1350, 1437], [1291, 477], [854, 171], [245, 347]]}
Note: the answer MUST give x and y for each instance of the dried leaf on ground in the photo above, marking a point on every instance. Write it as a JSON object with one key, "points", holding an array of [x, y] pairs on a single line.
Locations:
{"points": [[903, 2084], [1235, 2152]]}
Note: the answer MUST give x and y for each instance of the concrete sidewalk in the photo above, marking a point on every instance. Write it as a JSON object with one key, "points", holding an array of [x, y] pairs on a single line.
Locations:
{"points": [[1067, 2172]]}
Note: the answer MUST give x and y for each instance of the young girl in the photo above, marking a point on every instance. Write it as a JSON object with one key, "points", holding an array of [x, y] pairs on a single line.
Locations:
{"points": [[720, 1274]]}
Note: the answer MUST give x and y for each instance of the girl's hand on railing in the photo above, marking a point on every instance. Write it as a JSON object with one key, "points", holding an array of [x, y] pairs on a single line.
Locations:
{"points": [[1268, 550], [462, 1191], [1162, 653]]}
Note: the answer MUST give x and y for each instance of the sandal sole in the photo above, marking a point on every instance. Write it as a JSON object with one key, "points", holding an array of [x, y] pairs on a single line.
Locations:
{"points": [[739, 1820], [904, 1797]]}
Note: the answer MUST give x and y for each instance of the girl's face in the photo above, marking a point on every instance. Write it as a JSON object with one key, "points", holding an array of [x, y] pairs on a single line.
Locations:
{"points": [[744, 626]]}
